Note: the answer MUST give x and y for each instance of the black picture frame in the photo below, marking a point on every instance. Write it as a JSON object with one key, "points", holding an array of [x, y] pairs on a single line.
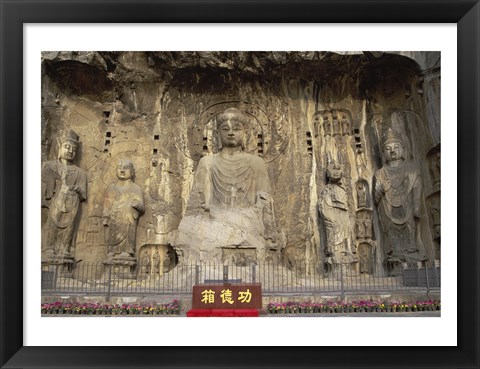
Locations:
{"points": [[465, 13]]}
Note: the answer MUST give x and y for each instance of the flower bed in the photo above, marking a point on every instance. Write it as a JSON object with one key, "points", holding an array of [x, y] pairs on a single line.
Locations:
{"points": [[351, 307], [172, 308]]}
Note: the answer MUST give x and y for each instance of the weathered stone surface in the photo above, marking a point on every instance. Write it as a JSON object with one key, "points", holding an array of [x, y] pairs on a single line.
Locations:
{"points": [[161, 106]]}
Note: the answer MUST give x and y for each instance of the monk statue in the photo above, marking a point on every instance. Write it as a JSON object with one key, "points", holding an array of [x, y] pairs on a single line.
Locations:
{"points": [[64, 187], [335, 214], [397, 194], [123, 205], [230, 205]]}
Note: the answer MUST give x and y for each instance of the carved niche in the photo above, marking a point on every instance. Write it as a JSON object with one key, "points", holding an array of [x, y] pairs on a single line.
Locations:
{"points": [[230, 208]]}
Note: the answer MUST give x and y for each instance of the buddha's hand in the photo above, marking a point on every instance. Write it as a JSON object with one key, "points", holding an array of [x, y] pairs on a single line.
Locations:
{"points": [[74, 189], [262, 198], [138, 206]]}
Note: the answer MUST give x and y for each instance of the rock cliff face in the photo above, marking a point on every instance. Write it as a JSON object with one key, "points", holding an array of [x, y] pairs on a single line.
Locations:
{"points": [[306, 110]]}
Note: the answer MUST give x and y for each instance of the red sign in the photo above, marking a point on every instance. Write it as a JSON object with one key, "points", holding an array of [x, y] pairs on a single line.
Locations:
{"points": [[227, 296]]}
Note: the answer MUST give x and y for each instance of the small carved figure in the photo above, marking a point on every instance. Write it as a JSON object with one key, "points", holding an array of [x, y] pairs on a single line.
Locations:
{"points": [[327, 125], [146, 263], [361, 194], [435, 211], [336, 125], [345, 125], [365, 258], [156, 262], [333, 207], [360, 228], [123, 205], [397, 193], [167, 261], [368, 226], [157, 201], [64, 186], [435, 167]]}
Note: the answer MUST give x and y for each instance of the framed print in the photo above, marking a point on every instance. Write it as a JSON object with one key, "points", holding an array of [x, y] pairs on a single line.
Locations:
{"points": [[125, 232]]}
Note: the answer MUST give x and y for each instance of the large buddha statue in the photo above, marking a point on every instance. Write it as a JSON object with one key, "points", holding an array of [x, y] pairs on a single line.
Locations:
{"points": [[230, 205], [397, 194]]}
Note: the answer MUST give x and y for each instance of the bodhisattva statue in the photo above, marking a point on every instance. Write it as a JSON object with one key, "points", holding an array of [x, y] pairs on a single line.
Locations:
{"points": [[123, 205], [397, 194], [64, 186], [230, 205], [335, 214]]}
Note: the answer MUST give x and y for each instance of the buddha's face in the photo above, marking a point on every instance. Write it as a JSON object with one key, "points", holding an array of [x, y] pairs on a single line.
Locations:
{"points": [[231, 132], [334, 172], [68, 150], [393, 150], [124, 170]]}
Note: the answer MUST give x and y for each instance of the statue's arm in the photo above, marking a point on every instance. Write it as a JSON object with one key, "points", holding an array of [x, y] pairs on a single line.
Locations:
{"points": [[417, 194], [262, 176], [82, 188], [107, 205], [139, 204], [48, 184]]}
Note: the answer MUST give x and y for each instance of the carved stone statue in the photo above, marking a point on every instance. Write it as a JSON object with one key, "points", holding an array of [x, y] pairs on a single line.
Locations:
{"points": [[435, 167], [365, 258], [361, 194], [435, 212], [123, 205], [159, 208], [345, 125], [327, 125], [360, 228], [146, 263], [335, 214], [368, 226], [230, 205], [397, 193], [336, 125], [64, 186], [156, 262]]}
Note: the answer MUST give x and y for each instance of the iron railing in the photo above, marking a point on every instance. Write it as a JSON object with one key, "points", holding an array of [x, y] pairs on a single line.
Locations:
{"points": [[100, 279]]}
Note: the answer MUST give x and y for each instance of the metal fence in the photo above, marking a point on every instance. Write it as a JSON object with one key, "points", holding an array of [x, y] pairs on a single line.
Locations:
{"points": [[100, 279]]}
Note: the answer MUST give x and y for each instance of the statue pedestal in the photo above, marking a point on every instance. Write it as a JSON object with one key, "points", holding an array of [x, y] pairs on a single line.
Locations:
{"points": [[394, 267], [122, 267], [61, 265]]}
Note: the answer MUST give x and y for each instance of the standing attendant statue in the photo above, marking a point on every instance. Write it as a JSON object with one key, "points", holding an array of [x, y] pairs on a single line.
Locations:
{"points": [[334, 211], [123, 205], [397, 194], [64, 187]]}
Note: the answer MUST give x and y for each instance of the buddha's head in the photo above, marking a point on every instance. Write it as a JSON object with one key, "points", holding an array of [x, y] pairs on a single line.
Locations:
{"points": [[231, 126], [393, 146], [68, 144], [334, 172], [125, 170]]}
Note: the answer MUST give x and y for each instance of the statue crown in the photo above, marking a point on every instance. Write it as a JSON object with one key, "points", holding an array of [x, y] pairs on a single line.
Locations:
{"points": [[68, 135], [392, 136]]}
